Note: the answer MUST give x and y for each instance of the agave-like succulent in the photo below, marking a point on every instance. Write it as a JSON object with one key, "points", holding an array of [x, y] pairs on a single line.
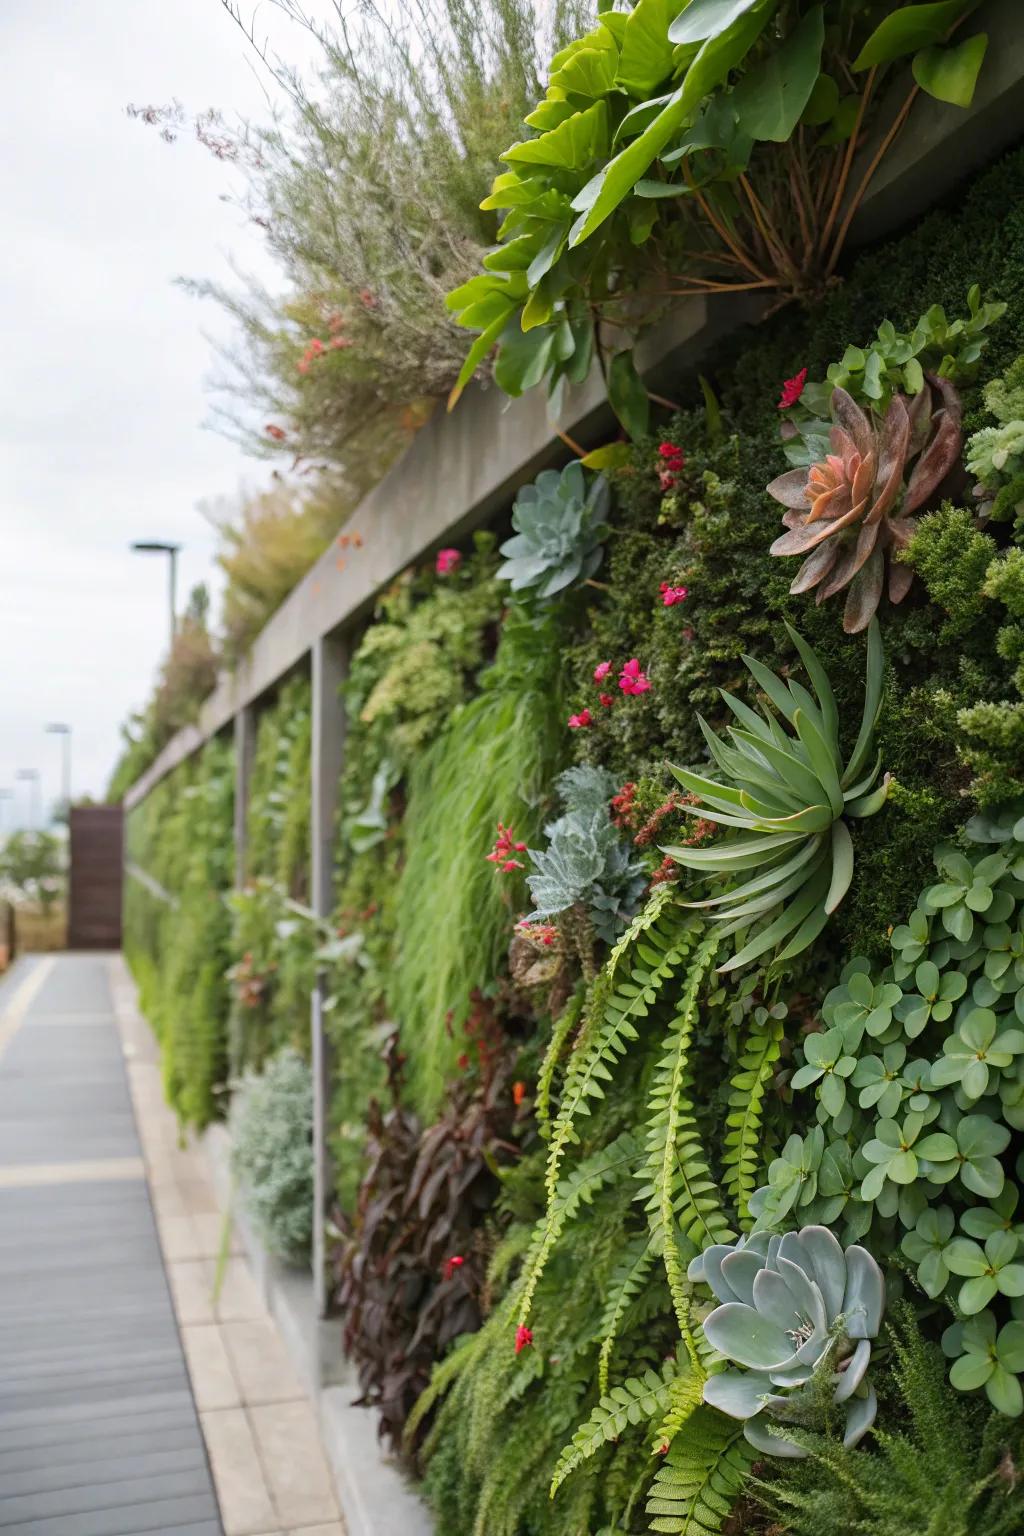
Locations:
{"points": [[798, 1312], [786, 793], [559, 525], [852, 511]]}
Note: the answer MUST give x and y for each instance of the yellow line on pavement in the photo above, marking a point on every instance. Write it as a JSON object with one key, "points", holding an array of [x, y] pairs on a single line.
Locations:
{"points": [[100, 1170], [13, 1015]]}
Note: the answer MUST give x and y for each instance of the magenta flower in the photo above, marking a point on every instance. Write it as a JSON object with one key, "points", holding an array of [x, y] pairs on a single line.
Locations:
{"points": [[578, 722], [448, 560], [601, 671], [671, 595], [633, 679], [524, 1338], [792, 389]]}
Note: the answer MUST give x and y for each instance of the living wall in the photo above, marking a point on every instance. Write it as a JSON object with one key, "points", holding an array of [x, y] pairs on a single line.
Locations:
{"points": [[677, 980]]}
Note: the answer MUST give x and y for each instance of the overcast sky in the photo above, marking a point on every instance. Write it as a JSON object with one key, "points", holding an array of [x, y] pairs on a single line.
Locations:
{"points": [[103, 361]]}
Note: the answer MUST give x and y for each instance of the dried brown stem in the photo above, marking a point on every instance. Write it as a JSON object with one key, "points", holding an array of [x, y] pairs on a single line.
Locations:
{"points": [[670, 405], [865, 180], [847, 162], [773, 242], [570, 443], [742, 256]]}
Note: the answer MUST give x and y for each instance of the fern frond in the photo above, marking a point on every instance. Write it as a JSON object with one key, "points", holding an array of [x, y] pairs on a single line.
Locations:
{"points": [[629, 1276], [742, 1157], [560, 1032], [685, 1393], [637, 1400], [577, 1188], [703, 1475], [680, 1191], [616, 1007]]}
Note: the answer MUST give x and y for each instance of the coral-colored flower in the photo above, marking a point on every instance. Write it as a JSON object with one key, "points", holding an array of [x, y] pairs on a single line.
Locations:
{"points": [[447, 561], [337, 343], [302, 366], [277, 433], [504, 847], [524, 1338], [518, 1093], [622, 805], [633, 679], [451, 1265], [606, 699], [316, 346], [357, 540], [601, 671], [792, 389], [578, 722], [367, 299], [670, 595]]}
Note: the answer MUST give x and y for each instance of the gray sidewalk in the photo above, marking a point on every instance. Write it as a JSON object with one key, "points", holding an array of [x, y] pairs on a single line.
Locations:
{"points": [[99, 1434]]}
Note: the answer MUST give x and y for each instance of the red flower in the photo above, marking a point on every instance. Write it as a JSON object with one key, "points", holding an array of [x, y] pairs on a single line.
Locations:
{"points": [[537, 933], [504, 848], [463, 1062], [277, 433], [451, 1265], [601, 671], [633, 679], [518, 1093], [524, 1338], [606, 699], [670, 451], [792, 389], [447, 561], [671, 595], [663, 1448], [577, 722]]}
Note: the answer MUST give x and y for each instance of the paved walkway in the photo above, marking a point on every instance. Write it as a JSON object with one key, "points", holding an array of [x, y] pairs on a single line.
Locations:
{"points": [[99, 1434]]}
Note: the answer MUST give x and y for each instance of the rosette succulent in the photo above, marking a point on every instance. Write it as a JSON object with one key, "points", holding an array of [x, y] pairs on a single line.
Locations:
{"points": [[559, 527], [852, 511], [798, 1313], [786, 794]]}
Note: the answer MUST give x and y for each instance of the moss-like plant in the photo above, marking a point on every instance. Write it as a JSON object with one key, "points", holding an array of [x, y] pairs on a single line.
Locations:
{"points": [[272, 1152]]}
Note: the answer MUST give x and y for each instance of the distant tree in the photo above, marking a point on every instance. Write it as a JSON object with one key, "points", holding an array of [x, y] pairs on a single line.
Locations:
{"points": [[32, 863]]}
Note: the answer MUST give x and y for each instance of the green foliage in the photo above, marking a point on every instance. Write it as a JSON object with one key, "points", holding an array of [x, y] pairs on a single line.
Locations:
{"points": [[492, 763], [279, 816], [940, 1466], [272, 1152], [788, 794], [32, 863], [559, 524], [643, 163], [996, 454], [586, 865], [704, 1473], [634, 1401], [180, 837]]}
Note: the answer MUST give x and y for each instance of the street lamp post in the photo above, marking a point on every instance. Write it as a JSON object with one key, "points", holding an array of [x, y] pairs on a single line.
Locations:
{"points": [[157, 547], [31, 776], [59, 728]]}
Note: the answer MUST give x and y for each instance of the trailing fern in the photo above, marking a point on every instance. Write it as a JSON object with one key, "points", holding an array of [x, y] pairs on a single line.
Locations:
{"points": [[703, 1475], [635, 1401], [743, 1157], [623, 1289]]}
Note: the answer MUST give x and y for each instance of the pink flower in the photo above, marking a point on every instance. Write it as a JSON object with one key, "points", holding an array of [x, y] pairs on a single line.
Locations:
{"points": [[633, 679], [336, 343], [524, 1338], [447, 561], [792, 389], [671, 595], [606, 700], [601, 671], [503, 849], [577, 722], [451, 1265], [303, 366]]}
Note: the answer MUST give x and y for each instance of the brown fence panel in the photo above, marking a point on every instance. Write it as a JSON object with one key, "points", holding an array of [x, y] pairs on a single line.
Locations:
{"points": [[94, 893]]}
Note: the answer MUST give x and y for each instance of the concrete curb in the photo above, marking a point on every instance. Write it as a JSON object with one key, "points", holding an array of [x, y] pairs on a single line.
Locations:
{"points": [[376, 1497]]}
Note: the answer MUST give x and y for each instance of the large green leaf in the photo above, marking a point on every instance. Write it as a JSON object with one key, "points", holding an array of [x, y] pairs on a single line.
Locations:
{"points": [[589, 73], [950, 74], [703, 19], [646, 58], [572, 146], [478, 351], [523, 357], [605, 191], [910, 28], [627, 395], [771, 98]]}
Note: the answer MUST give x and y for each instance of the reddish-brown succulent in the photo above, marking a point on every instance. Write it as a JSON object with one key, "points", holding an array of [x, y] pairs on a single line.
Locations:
{"points": [[850, 513]]}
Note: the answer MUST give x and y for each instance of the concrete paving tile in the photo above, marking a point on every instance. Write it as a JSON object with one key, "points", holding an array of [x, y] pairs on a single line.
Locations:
{"points": [[335, 1529], [209, 1235], [179, 1239], [260, 1362], [242, 1492], [198, 1195], [191, 1283], [239, 1298], [213, 1381], [293, 1462]]}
